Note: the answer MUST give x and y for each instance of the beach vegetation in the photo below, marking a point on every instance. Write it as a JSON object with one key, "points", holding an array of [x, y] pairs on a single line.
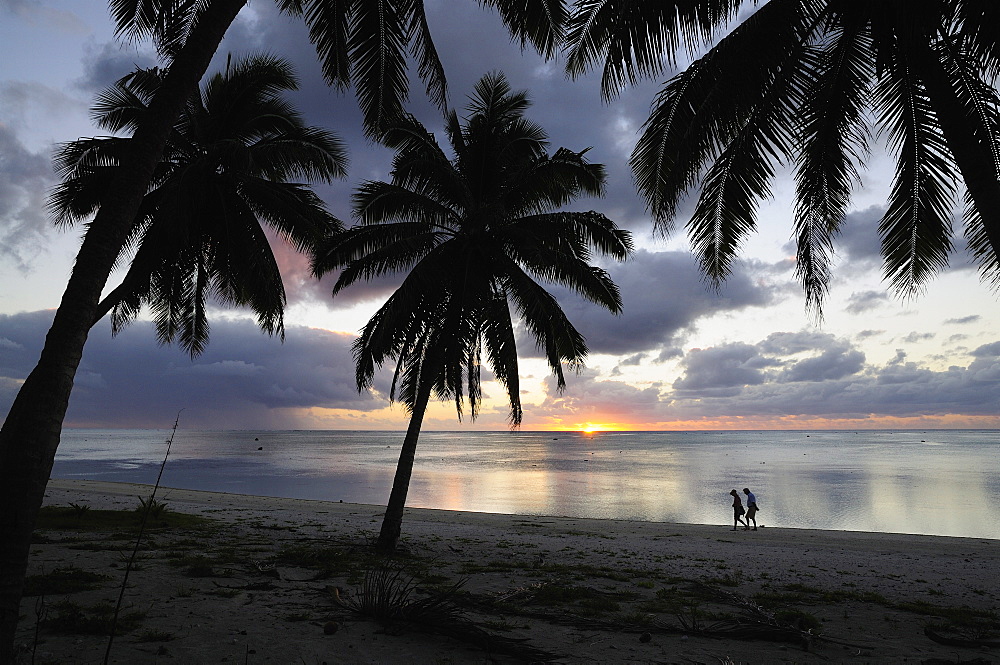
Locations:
{"points": [[153, 508], [97, 619], [474, 233], [730, 579], [121, 523], [327, 560], [294, 617], [103, 545], [79, 510], [799, 618], [153, 635], [389, 594], [63, 580]]}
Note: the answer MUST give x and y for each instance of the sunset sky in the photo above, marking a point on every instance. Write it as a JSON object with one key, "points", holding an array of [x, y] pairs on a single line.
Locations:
{"points": [[680, 356]]}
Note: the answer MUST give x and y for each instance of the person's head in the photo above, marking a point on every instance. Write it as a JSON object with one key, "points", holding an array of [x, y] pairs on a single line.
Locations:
{"points": [[746, 490], [733, 492]]}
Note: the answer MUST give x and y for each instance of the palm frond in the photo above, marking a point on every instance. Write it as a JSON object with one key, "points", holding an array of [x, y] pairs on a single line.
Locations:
{"points": [[916, 229], [538, 22], [834, 140], [378, 46], [639, 39], [707, 108], [430, 69]]}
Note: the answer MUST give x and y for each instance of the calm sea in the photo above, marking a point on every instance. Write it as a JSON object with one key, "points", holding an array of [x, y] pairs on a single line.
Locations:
{"points": [[944, 482]]}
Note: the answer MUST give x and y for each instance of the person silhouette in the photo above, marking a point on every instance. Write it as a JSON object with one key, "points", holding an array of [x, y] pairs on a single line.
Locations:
{"points": [[751, 508], [738, 510]]}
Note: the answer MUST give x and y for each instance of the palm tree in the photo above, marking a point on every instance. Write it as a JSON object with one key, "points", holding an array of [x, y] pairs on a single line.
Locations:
{"points": [[824, 75], [362, 43], [225, 170], [473, 233]]}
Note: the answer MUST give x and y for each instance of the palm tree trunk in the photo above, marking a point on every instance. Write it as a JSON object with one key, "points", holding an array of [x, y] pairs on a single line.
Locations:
{"points": [[392, 523], [109, 301], [30, 434]]}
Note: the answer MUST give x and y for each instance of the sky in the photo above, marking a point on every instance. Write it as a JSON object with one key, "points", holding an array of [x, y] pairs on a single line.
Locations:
{"points": [[681, 356]]}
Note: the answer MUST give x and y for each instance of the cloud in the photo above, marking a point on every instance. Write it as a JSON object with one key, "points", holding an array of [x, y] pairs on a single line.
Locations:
{"points": [[245, 379], [25, 176], [721, 370], [987, 351], [103, 64], [35, 13], [964, 320], [915, 337], [864, 301], [801, 376], [664, 295]]}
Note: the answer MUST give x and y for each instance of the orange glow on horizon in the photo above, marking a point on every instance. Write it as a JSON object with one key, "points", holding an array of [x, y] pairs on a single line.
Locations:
{"points": [[590, 428]]}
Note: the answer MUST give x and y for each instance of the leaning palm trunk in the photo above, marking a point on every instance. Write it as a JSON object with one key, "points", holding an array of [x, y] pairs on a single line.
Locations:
{"points": [[30, 434], [392, 523]]}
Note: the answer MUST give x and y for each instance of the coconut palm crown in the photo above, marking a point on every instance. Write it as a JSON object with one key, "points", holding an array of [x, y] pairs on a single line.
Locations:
{"points": [[808, 83], [474, 233], [224, 177]]}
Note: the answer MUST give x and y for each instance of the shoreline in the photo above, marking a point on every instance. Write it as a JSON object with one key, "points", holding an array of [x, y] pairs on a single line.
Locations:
{"points": [[581, 589], [194, 498]]}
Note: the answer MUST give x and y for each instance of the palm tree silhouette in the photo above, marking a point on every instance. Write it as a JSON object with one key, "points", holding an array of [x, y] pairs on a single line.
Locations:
{"points": [[224, 173], [824, 75], [473, 233], [361, 43]]}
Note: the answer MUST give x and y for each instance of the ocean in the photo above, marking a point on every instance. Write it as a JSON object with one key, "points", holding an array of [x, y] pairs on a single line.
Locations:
{"points": [[938, 482]]}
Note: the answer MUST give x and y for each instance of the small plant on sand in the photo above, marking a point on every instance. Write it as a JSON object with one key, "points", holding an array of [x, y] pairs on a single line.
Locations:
{"points": [[293, 617], [79, 511], [798, 619], [389, 595], [152, 635], [99, 619], [68, 579], [152, 508]]}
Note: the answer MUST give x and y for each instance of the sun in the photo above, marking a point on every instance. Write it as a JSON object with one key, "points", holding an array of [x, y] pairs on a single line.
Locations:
{"points": [[590, 428]]}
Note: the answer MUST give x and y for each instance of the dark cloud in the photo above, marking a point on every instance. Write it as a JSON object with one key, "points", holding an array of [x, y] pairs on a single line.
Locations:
{"points": [[771, 380], [244, 379], [103, 64], [834, 363], [859, 238], [25, 176], [663, 294], [864, 301], [915, 337], [964, 320], [987, 351], [720, 370]]}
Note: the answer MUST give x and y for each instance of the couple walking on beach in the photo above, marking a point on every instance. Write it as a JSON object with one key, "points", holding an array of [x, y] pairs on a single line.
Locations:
{"points": [[738, 512]]}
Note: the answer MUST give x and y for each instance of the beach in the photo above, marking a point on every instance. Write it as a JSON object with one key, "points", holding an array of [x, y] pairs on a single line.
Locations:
{"points": [[276, 580]]}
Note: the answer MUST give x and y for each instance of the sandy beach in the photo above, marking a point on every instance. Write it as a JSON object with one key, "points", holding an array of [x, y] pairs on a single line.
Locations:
{"points": [[270, 580]]}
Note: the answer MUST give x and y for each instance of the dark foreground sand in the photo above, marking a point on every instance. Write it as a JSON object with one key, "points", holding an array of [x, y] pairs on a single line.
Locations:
{"points": [[274, 581]]}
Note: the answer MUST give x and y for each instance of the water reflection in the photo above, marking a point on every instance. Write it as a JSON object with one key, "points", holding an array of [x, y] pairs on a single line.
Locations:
{"points": [[936, 483]]}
